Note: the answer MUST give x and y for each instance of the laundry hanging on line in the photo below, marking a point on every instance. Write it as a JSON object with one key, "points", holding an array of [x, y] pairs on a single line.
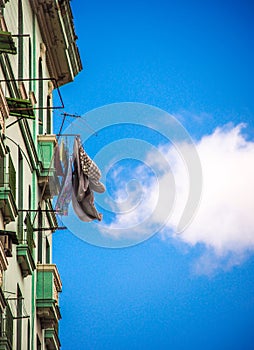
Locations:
{"points": [[81, 178]]}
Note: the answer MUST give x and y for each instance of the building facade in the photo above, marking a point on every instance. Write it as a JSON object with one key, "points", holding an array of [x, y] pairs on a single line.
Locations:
{"points": [[38, 54]]}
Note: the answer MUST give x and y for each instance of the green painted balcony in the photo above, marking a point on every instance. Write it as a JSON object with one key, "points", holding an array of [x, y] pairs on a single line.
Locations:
{"points": [[48, 286], [48, 179], [51, 339], [25, 250], [8, 189]]}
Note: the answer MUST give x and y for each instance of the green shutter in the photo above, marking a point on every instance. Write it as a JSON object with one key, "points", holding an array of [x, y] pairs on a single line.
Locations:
{"points": [[7, 44], [20, 108]]}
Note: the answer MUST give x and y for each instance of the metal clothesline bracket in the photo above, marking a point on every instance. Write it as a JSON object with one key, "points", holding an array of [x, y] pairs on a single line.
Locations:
{"points": [[70, 115], [21, 35], [64, 117], [16, 121], [38, 229], [39, 79], [78, 135], [37, 210]]}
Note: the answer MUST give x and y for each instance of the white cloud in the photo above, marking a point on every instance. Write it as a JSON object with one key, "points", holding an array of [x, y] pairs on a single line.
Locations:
{"points": [[224, 221]]}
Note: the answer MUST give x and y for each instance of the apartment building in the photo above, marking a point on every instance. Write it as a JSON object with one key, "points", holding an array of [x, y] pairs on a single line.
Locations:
{"points": [[38, 54]]}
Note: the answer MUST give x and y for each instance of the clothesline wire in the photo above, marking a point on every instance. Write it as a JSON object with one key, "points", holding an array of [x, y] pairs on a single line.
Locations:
{"points": [[61, 127], [88, 126], [82, 119]]}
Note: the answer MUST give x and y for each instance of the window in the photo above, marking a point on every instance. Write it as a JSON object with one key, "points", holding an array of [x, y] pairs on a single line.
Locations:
{"points": [[19, 319], [20, 193], [28, 334], [48, 115], [40, 237], [1, 324], [47, 252], [8, 325], [29, 198], [38, 343], [20, 40], [40, 74], [30, 64]]}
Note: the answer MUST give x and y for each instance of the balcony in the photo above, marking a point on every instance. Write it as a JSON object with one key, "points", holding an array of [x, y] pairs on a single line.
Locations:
{"points": [[8, 238], [6, 336], [8, 189], [48, 286], [25, 250], [51, 339], [48, 180]]}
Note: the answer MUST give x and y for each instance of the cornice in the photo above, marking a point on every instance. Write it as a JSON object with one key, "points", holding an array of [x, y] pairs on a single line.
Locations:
{"points": [[55, 20]]}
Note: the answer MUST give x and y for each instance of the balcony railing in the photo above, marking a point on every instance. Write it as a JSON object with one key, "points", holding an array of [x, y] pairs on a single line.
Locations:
{"points": [[52, 339], [48, 180], [6, 339], [25, 249]]}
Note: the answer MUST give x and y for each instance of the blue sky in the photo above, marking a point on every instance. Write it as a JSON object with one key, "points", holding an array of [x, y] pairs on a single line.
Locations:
{"points": [[193, 60]]}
